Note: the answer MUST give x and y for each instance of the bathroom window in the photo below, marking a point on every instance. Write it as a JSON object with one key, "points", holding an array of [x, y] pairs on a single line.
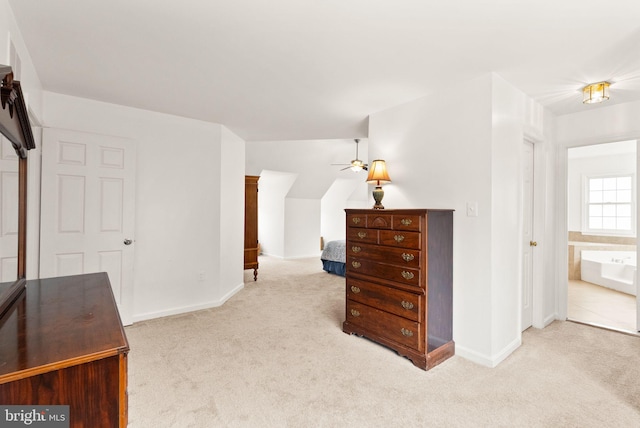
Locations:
{"points": [[609, 207]]}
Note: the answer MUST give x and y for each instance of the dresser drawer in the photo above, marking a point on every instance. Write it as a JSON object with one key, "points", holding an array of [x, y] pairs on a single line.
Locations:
{"points": [[388, 299], [400, 238], [406, 222], [357, 234], [398, 256], [379, 221], [401, 274], [356, 220], [381, 323]]}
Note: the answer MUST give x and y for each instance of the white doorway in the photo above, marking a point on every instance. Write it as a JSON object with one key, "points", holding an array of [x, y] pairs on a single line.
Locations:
{"points": [[87, 209], [602, 190]]}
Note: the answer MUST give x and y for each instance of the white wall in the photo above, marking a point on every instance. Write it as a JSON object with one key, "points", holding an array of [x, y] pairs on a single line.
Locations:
{"points": [[508, 116], [180, 202], [302, 228], [463, 144], [29, 80], [343, 193], [438, 155], [231, 185], [604, 124], [273, 187]]}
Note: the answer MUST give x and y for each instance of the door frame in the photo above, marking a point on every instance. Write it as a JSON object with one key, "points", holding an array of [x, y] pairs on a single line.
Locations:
{"points": [[543, 235], [33, 199], [530, 271], [562, 228]]}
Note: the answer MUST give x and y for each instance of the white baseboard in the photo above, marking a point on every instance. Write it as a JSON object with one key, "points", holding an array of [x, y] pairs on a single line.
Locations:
{"points": [[548, 320], [292, 258], [487, 360], [304, 257], [191, 308]]}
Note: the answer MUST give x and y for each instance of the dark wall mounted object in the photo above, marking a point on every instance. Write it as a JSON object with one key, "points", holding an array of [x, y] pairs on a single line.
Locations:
{"points": [[15, 126]]}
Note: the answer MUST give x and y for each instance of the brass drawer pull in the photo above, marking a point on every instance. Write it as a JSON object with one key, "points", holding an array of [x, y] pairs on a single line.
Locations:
{"points": [[405, 332], [407, 305], [407, 257], [407, 275], [362, 235], [356, 249], [356, 220], [406, 221], [398, 238], [355, 264], [355, 313], [356, 289]]}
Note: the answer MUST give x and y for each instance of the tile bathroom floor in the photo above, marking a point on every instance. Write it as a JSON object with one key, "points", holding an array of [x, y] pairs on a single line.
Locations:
{"points": [[593, 304]]}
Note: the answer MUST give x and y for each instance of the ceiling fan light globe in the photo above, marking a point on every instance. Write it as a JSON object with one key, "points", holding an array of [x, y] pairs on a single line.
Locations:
{"points": [[357, 165]]}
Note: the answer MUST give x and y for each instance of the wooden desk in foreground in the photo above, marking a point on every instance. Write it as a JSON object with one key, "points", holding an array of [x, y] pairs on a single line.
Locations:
{"points": [[63, 344]]}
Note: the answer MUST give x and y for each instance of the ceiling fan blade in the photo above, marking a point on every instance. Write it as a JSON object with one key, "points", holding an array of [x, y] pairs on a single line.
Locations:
{"points": [[340, 164], [346, 167]]}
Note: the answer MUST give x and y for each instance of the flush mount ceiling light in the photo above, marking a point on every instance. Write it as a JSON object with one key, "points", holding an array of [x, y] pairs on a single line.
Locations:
{"points": [[595, 93]]}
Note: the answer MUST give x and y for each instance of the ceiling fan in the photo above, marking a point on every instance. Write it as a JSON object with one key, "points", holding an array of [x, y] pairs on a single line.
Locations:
{"points": [[356, 164]]}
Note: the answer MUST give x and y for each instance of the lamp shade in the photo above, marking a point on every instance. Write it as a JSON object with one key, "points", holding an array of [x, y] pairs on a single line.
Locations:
{"points": [[378, 173], [595, 93]]}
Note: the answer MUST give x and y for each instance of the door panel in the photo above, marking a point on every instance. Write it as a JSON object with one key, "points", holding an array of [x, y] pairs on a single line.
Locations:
{"points": [[88, 184], [70, 204]]}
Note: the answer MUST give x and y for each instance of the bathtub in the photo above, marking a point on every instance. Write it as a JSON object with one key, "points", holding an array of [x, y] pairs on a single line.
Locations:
{"points": [[611, 269]]}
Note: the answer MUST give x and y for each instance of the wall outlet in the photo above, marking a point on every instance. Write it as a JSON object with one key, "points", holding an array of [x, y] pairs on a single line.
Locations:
{"points": [[200, 276], [472, 209]]}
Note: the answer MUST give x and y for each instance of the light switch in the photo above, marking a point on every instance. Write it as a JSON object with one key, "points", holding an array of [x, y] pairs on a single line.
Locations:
{"points": [[472, 209]]}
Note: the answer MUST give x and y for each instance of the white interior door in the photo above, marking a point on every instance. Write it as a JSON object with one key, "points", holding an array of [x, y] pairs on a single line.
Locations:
{"points": [[87, 220], [8, 211], [528, 244]]}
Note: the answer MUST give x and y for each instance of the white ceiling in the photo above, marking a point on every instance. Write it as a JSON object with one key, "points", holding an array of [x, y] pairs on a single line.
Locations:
{"points": [[309, 69]]}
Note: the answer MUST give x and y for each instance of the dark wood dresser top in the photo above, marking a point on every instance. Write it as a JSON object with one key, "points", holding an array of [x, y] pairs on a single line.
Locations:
{"points": [[60, 322]]}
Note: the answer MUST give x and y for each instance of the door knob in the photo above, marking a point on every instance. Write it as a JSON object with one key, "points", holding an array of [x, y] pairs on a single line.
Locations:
{"points": [[127, 242], [533, 244]]}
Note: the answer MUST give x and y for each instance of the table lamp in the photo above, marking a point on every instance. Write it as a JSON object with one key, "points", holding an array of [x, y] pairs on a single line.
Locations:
{"points": [[378, 175]]}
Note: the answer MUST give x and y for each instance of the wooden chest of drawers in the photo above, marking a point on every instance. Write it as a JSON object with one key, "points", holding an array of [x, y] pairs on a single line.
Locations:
{"points": [[399, 281], [63, 344]]}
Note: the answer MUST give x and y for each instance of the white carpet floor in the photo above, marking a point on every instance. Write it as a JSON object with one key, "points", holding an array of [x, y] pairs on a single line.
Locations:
{"points": [[275, 355]]}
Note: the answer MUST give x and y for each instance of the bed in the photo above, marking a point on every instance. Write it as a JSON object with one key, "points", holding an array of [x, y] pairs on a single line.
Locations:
{"points": [[334, 257]]}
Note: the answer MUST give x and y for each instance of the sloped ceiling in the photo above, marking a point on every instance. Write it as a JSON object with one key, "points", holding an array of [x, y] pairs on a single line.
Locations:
{"points": [[310, 161], [308, 69]]}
